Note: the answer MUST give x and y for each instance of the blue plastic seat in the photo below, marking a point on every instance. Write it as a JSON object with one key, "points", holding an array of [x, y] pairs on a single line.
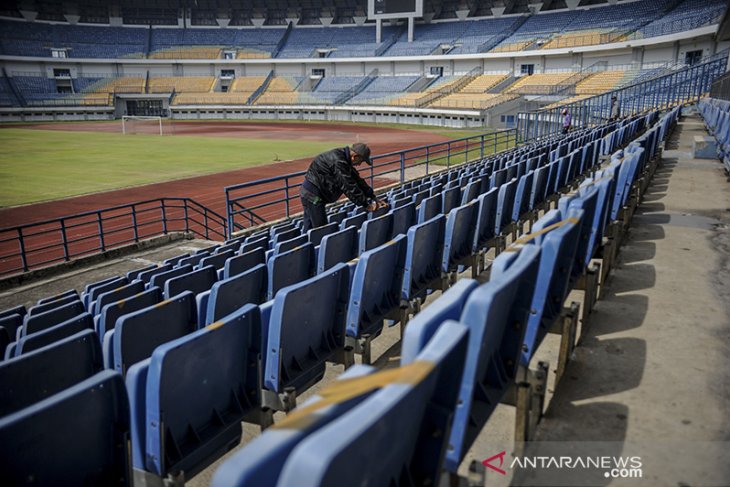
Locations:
{"points": [[196, 282], [70, 292], [306, 328], [43, 321], [522, 197], [173, 261], [189, 398], [249, 245], [146, 276], [137, 334], [458, 237], [399, 419], [376, 289], [159, 280], [231, 294], [403, 218], [217, 260], [315, 235], [45, 371], [429, 208], [472, 190], [450, 199], [496, 314], [107, 318], [191, 262], [485, 221], [90, 296], [124, 292], [282, 246], [244, 262], [34, 341], [375, 232], [290, 267], [422, 266], [75, 437], [57, 303], [558, 249], [336, 248], [505, 205], [134, 274], [354, 221]]}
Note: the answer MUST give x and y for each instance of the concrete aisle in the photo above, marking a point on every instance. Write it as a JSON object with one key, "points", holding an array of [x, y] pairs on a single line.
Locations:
{"points": [[654, 370]]}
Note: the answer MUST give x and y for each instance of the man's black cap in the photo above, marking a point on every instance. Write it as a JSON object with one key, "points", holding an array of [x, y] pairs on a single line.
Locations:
{"points": [[363, 151]]}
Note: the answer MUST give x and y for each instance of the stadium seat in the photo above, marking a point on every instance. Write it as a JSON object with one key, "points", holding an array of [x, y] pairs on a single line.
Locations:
{"points": [[134, 274], [159, 280], [36, 375], [90, 296], [42, 321], [185, 262], [404, 217], [375, 232], [484, 229], [52, 443], [429, 208], [197, 281], [217, 259], [57, 303], [146, 276], [306, 328], [398, 418], [107, 318], [70, 292], [354, 221], [124, 292], [249, 245], [228, 295], [241, 263], [290, 267], [375, 295], [337, 247], [189, 398], [315, 235], [137, 334], [496, 314], [422, 267], [458, 238], [34, 341]]}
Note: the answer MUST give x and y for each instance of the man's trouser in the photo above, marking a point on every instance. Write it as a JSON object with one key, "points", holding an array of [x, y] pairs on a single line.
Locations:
{"points": [[314, 211]]}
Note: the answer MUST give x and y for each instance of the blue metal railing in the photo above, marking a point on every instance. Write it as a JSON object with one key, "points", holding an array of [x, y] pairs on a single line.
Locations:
{"points": [[264, 200], [36, 245], [684, 85]]}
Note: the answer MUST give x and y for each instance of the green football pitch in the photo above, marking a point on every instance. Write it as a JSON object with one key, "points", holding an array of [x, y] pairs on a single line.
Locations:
{"points": [[41, 165]]}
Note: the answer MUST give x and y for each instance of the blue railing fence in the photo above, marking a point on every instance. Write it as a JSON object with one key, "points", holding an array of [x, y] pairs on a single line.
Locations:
{"points": [[41, 244], [684, 85], [264, 200]]}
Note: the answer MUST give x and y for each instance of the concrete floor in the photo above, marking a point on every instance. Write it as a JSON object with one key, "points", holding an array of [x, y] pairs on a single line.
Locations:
{"points": [[651, 377]]}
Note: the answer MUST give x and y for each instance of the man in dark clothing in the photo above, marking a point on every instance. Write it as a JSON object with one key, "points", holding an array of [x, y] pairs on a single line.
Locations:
{"points": [[331, 174]]}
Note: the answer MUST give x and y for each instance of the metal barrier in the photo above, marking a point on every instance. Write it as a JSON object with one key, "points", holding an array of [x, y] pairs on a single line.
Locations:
{"points": [[264, 200], [721, 87], [40, 244], [684, 85]]}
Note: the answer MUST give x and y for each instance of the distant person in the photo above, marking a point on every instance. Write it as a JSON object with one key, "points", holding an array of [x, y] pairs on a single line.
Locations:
{"points": [[567, 121], [615, 109], [331, 174]]}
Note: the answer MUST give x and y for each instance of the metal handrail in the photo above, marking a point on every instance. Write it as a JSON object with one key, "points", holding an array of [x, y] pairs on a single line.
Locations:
{"points": [[35, 245], [263, 200]]}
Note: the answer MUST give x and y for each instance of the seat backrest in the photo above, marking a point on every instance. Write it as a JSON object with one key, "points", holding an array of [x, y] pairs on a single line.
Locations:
{"points": [[286, 245], [337, 247], [109, 314], [420, 196], [557, 253], [315, 235], [217, 260], [196, 282], [430, 207], [450, 199], [472, 190], [458, 235], [204, 382], [424, 325], [396, 419], [424, 251], [34, 341], [505, 205], [137, 334], [11, 324], [52, 443], [57, 303], [539, 186], [191, 261], [586, 201], [404, 217], [498, 178], [307, 326], [486, 215], [146, 276], [260, 462], [496, 314], [231, 294], [290, 267], [375, 232], [118, 294], [159, 280], [249, 245], [43, 321], [354, 221], [43, 372], [96, 291], [173, 261], [376, 287], [70, 292], [92, 285], [242, 263], [522, 197]]}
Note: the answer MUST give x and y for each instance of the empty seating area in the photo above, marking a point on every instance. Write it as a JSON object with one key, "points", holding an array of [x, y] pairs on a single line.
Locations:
{"points": [[172, 357], [282, 90], [601, 82], [539, 83], [182, 84], [716, 113]]}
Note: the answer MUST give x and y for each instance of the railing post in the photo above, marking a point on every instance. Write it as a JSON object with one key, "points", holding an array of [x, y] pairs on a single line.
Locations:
{"points": [[481, 146], [229, 214], [205, 220], [494, 151], [428, 157], [286, 194], [65, 240], [403, 167], [187, 216], [101, 230], [466, 150], [164, 217], [134, 223], [448, 155], [21, 242]]}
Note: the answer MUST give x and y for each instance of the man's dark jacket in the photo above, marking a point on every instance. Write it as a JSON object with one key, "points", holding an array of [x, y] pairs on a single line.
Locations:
{"points": [[333, 174]]}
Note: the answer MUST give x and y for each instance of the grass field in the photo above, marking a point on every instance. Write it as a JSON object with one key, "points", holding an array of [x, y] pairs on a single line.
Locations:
{"points": [[41, 165]]}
